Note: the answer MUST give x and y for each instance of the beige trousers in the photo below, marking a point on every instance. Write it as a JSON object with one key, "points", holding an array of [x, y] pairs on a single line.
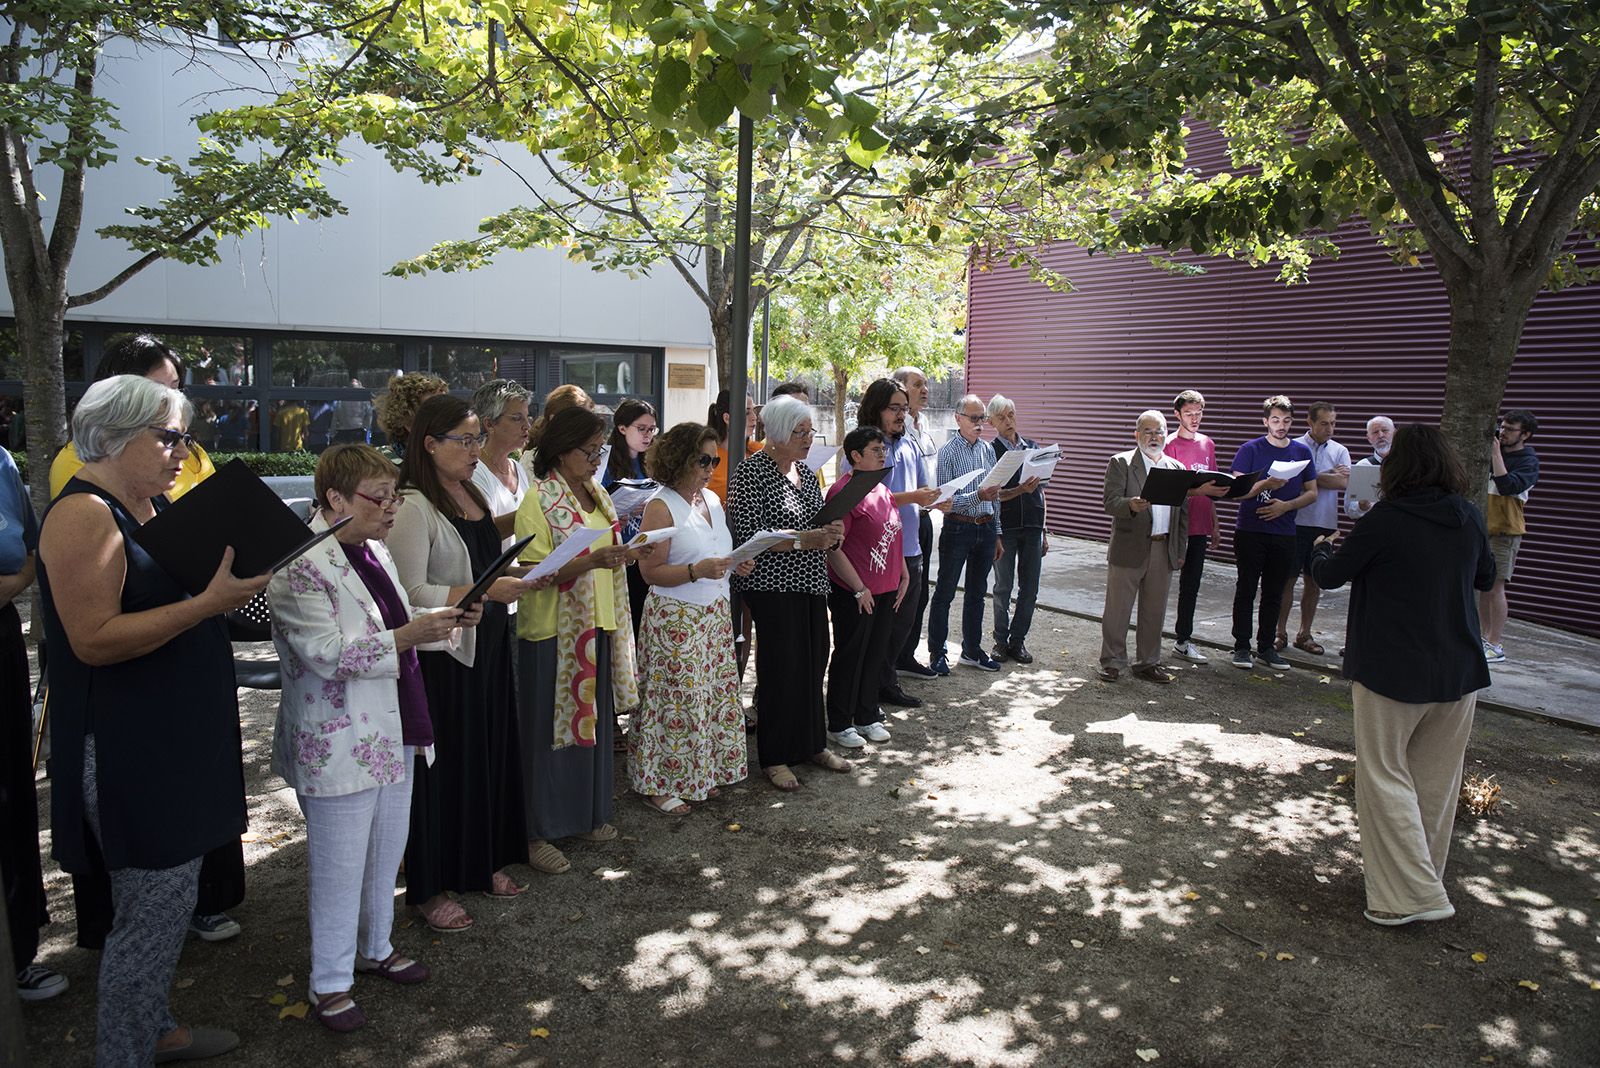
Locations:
{"points": [[1147, 585], [1408, 778]]}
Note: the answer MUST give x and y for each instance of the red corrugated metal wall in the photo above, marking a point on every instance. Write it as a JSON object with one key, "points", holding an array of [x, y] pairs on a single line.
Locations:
{"points": [[1363, 334]]}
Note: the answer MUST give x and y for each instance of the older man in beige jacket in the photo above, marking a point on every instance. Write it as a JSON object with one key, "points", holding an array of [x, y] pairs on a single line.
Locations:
{"points": [[1147, 545]]}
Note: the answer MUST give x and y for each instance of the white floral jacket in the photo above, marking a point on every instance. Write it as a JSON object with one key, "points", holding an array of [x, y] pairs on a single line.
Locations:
{"points": [[338, 729]]}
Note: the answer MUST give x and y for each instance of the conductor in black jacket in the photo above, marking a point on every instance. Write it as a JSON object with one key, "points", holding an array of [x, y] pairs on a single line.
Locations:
{"points": [[1415, 662]]}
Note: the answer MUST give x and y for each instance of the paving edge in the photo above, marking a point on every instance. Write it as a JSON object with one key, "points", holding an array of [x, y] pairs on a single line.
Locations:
{"points": [[1300, 662]]}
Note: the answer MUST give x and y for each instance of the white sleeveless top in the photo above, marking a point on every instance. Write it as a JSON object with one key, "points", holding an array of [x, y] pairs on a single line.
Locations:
{"points": [[695, 540]]}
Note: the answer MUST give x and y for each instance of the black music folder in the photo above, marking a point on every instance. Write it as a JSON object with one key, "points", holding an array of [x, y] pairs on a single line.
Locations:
{"points": [[232, 507], [1169, 485], [851, 494]]}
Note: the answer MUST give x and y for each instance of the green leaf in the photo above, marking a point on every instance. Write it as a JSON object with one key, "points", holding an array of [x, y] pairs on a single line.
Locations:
{"points": [[665, 30], [866, 147], [672, 78], [712, 105]]}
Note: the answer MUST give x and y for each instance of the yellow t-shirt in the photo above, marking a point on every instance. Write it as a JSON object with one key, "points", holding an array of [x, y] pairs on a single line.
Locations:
{"points": [[196, 469], [536, 611]]}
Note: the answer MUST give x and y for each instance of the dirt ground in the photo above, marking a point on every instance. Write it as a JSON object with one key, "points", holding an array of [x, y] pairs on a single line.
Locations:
{"points": [[1037, 870]]}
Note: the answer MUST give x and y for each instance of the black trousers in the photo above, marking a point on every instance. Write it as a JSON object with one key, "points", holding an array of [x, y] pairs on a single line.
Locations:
{"points": [[860, 649], [19, 808], [1194, 565], [908, 651], [1264, 562], [790, 660]]}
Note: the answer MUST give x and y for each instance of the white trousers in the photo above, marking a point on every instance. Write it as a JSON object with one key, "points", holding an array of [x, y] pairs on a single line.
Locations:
{"points": [[354, 844], [1408, 778]]}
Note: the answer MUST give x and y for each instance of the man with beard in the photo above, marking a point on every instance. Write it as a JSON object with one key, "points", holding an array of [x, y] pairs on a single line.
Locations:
{"points": [[1380, 434], [1264, 539], [1148, 543]]}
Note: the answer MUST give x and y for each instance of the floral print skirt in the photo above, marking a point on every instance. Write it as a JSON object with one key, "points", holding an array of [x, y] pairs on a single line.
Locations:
{"points": [[687, 734]]}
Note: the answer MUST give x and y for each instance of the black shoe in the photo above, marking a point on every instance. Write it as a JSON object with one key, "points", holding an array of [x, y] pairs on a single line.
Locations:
{"points": [[1000, 652], [912, 669], [897, 696], [1020, 654]]}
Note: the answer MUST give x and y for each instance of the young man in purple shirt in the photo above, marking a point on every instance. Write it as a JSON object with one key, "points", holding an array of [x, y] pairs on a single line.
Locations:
{"points": [[1264, 539]]}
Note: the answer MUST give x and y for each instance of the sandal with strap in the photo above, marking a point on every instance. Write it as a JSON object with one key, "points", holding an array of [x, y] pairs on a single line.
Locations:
{"points": [[781, 777], [1308, 644], [667, 806], [395, 968], [1281, 642], [337, 1012], [603, 833], [547, 858], [502, 885], [447, 917], [713, 793], [832, 761]]}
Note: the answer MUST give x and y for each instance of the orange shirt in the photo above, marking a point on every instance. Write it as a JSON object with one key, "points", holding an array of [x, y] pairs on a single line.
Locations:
{"points": [[719, 477]]}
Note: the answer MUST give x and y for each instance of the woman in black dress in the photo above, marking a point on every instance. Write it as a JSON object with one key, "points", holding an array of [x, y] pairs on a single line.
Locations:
{"points": [[466, 808], [144, 714]]}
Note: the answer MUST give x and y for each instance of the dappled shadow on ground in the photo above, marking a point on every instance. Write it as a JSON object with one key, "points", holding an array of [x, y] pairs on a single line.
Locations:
{"points": [[1038, 870]]}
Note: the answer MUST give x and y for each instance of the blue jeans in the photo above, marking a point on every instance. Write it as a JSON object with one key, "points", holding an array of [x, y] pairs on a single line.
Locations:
{"points": [[968, 546], [1020, 555]]}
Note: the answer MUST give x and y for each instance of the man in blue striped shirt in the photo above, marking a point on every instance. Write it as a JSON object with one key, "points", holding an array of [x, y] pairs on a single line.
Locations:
{"points": [[970, 541]]}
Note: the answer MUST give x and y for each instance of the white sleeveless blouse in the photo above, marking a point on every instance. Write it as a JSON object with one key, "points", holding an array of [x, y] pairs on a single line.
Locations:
{"points": [[695, 540]]}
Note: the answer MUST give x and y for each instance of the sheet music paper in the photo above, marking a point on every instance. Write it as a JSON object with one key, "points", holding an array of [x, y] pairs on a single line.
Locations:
{"points": [[1004, 468], [576, 543], [954, 486], [760, 542]]}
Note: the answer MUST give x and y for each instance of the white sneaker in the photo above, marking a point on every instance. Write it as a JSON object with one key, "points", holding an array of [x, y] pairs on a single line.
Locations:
{"points": [[848, 738], [874, 732], [1187, 651]]}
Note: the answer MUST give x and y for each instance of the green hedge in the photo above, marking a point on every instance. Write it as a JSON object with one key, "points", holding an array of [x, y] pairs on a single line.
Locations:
{"points": [[267, 464]]}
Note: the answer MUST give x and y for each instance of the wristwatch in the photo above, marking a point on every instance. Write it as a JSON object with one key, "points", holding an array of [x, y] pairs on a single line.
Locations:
{"points": [[797, 543]]}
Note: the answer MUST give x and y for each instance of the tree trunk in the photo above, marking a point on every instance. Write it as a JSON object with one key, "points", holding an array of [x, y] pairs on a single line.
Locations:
{"points": [[1486, 321], [40, 336], [841, 386], [722, 340]]}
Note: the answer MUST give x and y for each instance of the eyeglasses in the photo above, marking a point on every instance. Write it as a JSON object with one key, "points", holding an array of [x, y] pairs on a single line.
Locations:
{"points": [[898, 409], [592, 455], [974, 418], [644, 431], [171, 439], [710, 463], [806, 434], [469, 441], [393, 500]]}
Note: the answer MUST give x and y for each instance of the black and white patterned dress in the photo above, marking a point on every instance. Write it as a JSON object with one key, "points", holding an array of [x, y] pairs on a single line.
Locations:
{"points": [[788, 598]]}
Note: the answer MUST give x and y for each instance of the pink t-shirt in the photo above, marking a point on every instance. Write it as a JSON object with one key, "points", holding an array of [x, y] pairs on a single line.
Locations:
{"points": [[872, 540], [1198, 453]]}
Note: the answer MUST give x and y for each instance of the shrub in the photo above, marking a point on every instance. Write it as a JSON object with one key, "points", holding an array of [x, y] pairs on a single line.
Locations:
{"points": [[269, 464]]}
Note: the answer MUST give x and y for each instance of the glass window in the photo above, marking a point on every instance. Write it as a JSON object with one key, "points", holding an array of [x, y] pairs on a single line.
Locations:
{"points": [[208, 360], [610, 377], [333, 364], [11, 355], [224, 425], [467, 366]]}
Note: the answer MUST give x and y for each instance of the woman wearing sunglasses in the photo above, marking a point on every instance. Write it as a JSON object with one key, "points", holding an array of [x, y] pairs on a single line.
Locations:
{"points": [[466, 807], [575, 656], [144, 714], [688, 733], [352, 717]]}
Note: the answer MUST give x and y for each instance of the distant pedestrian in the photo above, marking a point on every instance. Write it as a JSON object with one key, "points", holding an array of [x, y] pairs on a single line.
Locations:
{"points": [[1514, 470], [1415, 665]]}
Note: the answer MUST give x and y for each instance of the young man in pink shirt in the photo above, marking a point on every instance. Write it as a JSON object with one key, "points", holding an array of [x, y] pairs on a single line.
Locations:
{"points": [[1197, 452]]}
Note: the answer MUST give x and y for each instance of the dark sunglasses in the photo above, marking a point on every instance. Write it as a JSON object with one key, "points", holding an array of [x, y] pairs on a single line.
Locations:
{"points": [[170, 439], [710, 463]]}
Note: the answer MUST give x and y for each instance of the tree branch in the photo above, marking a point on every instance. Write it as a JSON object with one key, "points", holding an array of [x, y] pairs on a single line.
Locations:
{"points": [[1485, 216]]}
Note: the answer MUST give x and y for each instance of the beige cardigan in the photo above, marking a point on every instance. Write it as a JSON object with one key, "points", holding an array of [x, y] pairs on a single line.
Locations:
{"points": [[431, 558]]}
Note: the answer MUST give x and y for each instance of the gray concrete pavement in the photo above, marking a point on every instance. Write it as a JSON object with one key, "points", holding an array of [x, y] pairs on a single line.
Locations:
{"points": [[1548, 672]]}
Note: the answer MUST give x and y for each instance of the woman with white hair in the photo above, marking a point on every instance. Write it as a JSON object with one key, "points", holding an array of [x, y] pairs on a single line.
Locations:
{"points": [[502, 407], [150, 777], [787, 593]]}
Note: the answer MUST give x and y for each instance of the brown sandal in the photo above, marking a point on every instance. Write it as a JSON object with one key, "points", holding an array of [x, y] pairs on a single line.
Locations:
{"points": [[831, 761], [781, 777], [1308, 644], [1281, 642], [548, 859]]}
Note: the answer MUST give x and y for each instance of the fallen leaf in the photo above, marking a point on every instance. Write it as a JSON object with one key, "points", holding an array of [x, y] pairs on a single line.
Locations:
{"points": [[1324, 767], [1147, 1055], [184, 984], [589, 982], [297, 1010], [1324, 680], [1529, 983], [1341, 780], [575, 917], [933, 797], [1432, 1027], [539, 1032], [894, 791], [1262, 954], [1594, 984], [278, 999], [1480, 957], [1286, 956], [71, 1036], [854, 958], [1316, 721], [1188, 697], [249, 836], [735, 828], [1076, 944], [1173, 979], [1298, 734], [923, 950], [285, 980], [1191, 896], [1322, 878]]}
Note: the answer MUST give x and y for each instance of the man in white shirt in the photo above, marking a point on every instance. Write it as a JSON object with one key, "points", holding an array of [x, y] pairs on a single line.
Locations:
{"points": [[1380, 435], [1330, 462]]}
